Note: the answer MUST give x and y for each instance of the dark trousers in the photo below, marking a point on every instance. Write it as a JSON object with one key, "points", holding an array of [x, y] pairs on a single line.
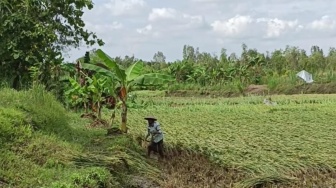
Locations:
{"points": [[156, 147]]}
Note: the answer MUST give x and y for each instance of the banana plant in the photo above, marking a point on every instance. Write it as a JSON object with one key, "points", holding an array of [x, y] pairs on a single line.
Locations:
{"points": [[125, 79], [255, 64], [77, 94], [97, 85]]}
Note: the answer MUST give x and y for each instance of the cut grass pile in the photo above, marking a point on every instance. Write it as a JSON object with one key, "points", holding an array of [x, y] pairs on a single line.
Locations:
{"points": [[267, 143]]}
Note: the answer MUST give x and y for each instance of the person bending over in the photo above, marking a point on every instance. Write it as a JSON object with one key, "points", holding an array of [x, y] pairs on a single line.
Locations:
{"points": [[156, 143]]}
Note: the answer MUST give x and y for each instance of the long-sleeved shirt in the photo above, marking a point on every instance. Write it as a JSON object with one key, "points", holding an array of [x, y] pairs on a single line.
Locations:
{"points": [[156, 132]]}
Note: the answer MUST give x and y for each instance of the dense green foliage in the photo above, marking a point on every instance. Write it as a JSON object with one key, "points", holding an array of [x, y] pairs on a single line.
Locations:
{"points": [[234, 72], [118, 82], [274, 69], [100, 82], [35, 33]]}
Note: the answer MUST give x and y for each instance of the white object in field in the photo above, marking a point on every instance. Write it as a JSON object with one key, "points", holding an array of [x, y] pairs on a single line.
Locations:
{"points": [[306, 76], [269, 102]]}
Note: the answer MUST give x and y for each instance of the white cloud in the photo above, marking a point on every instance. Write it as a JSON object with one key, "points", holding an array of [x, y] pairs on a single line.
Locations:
{"points": [[164, 16], [145, 30], [233, 26], [193, 20], [205, 1], [276, 27], [158, 14], [122, 7], [169, 22], [104, 27], [325, 23], [247, 26]]}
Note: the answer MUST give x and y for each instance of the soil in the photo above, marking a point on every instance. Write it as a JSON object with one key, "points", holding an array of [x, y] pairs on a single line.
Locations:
{"points": [[143, 182], [257, 89], [185, 169], [89, 116], [2, 182], [113, 131], [192, 93], [98, 123]]}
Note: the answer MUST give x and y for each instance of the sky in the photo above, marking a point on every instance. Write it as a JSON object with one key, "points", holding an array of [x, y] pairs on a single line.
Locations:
{"points": [[144, 27]]}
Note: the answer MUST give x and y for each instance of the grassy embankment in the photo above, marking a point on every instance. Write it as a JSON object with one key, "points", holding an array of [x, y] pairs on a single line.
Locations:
{"points": [[43, 145]]}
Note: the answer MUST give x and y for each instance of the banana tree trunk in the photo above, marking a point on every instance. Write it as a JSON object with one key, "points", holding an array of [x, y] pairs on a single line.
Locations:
{"points": [[86, 107], [112, 117], [123, 127], [123, 98], [99, 109]]}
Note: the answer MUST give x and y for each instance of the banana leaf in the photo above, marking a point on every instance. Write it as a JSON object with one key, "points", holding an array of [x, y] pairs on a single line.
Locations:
{"points": [[134, 71], [153, 79], [112, 65], [99, 69]]}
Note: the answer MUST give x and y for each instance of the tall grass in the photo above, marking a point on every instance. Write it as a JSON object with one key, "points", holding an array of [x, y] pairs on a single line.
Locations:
{"points": [[42, 110]]}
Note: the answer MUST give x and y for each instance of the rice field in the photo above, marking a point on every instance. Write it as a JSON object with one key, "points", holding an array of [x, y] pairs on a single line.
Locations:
{"points": [[265, 143]]}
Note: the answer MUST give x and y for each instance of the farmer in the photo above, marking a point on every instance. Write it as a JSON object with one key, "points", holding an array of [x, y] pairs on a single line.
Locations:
{"points": [[157, 136]]}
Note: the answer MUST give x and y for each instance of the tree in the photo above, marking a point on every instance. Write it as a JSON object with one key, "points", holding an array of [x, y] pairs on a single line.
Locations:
{"points": [[189, 53], [278, 61], [223, 56], [331, 59], [256, 63], [317, 59], [36, 32], [125, 79], [159, 57]]}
